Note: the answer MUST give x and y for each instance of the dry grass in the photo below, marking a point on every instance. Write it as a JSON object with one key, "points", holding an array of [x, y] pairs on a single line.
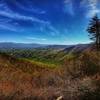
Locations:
{"points": [[78, 79]]}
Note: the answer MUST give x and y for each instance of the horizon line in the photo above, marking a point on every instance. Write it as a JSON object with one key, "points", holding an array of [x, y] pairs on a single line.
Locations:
{"points": [[45, 43]]}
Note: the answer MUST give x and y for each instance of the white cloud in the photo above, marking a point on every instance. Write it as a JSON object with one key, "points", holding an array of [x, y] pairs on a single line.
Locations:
{"points": [[54, 31], [30, 8], [91, 6], [34, 38], [11, 15], [7, 27], [21, 17], [49, 29], [68, 7], [43, 24], [5, 11]]}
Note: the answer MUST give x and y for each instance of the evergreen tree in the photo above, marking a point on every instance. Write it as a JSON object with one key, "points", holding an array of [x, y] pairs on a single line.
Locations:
{"points": [[94, 31]]}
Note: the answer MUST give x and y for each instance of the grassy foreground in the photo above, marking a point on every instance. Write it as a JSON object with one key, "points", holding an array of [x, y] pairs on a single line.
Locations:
{"points": [[77, 79]]}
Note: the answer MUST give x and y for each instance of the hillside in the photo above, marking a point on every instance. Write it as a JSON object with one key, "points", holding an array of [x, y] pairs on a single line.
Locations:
{"points": [[23, 79], [77, 79], [51, 54]]}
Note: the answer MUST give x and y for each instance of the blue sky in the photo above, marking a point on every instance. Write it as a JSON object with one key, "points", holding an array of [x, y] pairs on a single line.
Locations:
{"points": [[46, 21]]}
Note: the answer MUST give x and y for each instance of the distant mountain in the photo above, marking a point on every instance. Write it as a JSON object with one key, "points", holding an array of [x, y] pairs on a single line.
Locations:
{"points": [[68, 48], [59, 47], [10, 45], [77, 48], [65, 48]]}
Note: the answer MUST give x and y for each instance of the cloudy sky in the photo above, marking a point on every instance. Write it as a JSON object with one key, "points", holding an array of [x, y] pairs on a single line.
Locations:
{"points": [[46, 21]]}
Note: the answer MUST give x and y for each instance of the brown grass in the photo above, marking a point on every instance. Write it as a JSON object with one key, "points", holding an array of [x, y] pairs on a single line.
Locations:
{"points": [[78, 79]]}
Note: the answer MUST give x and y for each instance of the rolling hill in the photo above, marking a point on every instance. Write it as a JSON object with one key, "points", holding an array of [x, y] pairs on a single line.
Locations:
{"points": [[21, 79], [77, 79], [54, 54]]}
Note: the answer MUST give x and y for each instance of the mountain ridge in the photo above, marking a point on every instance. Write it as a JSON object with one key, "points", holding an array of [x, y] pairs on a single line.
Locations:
{"points": [[12, 45]]}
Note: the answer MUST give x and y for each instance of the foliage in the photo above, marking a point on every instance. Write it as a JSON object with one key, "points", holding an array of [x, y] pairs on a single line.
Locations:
{"points": [[94, 30], [77, 79], [47, 56]]}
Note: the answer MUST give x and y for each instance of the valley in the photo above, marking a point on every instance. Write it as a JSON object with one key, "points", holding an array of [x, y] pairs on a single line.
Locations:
{"points": [[49, 73]]}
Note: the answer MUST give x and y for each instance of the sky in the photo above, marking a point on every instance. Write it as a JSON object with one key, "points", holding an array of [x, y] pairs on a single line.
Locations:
{"points": [[46, 21]]}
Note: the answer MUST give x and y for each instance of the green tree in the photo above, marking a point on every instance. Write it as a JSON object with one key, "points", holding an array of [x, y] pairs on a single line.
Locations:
{"points": [[94, 31]]}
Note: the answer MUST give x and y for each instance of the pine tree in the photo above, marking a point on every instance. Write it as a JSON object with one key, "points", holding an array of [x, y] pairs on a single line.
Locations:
{"points": [[94, 31]]}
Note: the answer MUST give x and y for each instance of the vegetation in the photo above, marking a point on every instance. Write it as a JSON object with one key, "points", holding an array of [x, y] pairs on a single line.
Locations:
{"points": [[44, 55], [77, 79], [94, 30]]}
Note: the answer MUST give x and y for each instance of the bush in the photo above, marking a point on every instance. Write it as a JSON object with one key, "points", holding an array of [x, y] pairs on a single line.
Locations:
{"points": [[88, 63]]}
